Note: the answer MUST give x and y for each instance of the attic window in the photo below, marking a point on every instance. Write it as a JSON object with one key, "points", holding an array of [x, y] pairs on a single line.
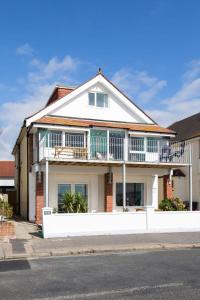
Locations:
{"points": [[98, 99]]}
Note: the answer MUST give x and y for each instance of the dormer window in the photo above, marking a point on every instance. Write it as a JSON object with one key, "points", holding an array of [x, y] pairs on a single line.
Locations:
{"points": [[98, 99]]}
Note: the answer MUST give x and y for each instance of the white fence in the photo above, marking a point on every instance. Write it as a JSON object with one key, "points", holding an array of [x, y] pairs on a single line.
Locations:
{"points": [[62, 225]]}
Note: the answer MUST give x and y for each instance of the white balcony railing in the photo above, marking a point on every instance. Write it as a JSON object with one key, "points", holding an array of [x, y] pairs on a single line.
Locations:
{"points": [[136, 149]]}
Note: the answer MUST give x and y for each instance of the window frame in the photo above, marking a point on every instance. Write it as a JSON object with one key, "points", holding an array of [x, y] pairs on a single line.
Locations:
{"points": [[132, 183], [72, 189], [106, 103]]}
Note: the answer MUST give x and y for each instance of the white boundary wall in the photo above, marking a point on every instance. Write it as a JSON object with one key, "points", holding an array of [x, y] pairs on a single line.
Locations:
{"points": [[62, 225]]}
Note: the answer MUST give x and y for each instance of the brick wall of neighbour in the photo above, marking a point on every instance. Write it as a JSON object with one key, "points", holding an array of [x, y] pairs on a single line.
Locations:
{"points": [[39, 203], [108, 192]]}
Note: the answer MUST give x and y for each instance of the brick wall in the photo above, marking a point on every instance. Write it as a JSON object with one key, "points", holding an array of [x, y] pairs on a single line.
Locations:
{"points": [[168, 187], [108, 192], [39, 201]]}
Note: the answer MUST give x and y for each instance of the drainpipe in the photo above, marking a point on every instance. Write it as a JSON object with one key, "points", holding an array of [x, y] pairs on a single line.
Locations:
{"points": [[190, 175], [124, 185]]}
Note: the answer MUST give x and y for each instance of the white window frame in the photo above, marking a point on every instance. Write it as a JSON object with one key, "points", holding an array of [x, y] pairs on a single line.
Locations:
{"points": [[95, 100]]}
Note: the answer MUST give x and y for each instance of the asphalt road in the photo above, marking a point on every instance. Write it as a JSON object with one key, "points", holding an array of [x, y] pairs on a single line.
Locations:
{"points": [[136, 275]]}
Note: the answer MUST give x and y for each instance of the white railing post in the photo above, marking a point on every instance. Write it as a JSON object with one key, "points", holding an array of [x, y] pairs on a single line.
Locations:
{"points": [[190, 174], [126, 147], [63, 138], [88, 144], [108, 145]]}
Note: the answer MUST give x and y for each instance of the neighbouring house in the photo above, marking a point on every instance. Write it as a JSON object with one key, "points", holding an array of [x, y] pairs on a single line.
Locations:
{"points": [[188, 129], [94, 140], [7, 183]]}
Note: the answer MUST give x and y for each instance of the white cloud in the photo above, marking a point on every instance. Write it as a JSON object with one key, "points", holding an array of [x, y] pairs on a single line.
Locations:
{"points": [[37, 86], [25, 49], [185, 102], [138, 84], [54, 66]]}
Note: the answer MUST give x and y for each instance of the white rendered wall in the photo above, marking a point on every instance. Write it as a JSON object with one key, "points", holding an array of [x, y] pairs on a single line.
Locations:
{"points": [[32, 195], [116, 110], [62, 225], [94, 178]]}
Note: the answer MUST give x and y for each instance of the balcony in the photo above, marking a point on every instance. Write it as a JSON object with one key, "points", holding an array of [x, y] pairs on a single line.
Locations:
{"points": [[140, 150]]}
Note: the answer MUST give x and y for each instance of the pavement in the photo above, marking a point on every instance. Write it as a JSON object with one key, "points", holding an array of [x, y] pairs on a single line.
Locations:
{"points": [[138, 275], [28, 242]]}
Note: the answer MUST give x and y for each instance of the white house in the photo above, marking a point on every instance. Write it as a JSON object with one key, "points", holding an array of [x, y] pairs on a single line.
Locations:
{"points": [[188, 129], [94, 140]]}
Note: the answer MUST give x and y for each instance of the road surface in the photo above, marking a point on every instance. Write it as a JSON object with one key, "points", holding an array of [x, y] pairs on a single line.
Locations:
{"points": [[137, 275]]}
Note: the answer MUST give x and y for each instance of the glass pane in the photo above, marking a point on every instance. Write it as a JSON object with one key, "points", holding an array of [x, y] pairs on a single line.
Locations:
{"points": [[119, 194], [116, 145], [91, 98], [82, 189], [139, 194], [152, 144], [137, 143], [74, 140], [102, 100], [130, 194], [134, 194], [98, 143], [55, 138], [62, 188]]}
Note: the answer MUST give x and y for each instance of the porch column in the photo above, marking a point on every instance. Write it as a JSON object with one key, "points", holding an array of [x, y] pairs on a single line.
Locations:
{"points": [[47, 184], [124, 184], [155, 191], [39, 197], [108, 192], [167, 187]]}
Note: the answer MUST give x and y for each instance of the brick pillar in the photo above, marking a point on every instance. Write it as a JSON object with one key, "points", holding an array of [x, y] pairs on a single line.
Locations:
{"points": [[108, 192], [39, 198], [167, 187]]}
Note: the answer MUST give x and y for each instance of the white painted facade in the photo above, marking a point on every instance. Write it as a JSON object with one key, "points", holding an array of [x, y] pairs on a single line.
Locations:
{"points": [[92, 172]]}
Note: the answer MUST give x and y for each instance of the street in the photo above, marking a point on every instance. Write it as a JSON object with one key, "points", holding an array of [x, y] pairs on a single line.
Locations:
{"points": [[135, 275]]}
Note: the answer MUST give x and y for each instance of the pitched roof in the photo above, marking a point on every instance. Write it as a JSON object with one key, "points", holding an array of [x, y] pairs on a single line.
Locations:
{"points": [[187, 128], [7, 168], [51, 120], [58, 93]]}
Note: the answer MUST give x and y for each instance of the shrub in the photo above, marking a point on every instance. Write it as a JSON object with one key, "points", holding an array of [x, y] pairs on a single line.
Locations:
{"points": [[173, 204], [5, 209], [74, 203]]}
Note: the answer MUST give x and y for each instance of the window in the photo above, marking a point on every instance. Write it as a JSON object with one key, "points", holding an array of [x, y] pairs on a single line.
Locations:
{"points": [[74, 139], [134, 194], [98, 99], [62, 188], [71, 188], [137, 144], [91, 99], [152, 144], [54, 138]]}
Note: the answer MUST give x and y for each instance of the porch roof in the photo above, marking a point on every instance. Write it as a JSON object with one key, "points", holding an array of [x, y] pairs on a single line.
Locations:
{"points": [[153, 128]]}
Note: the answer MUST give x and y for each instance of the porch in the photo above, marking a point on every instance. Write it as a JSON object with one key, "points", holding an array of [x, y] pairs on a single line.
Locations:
{"points": [[107, 188]]}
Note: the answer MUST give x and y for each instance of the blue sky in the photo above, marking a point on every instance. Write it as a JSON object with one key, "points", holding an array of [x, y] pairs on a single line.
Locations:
{"points": [[150, 49]]}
